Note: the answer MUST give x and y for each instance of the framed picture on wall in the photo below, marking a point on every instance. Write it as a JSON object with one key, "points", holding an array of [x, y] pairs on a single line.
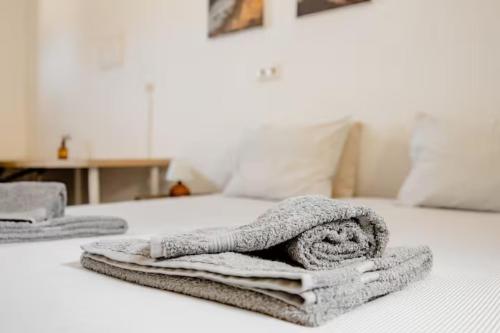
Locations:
{"points": [[227, 16], [306, 7]]}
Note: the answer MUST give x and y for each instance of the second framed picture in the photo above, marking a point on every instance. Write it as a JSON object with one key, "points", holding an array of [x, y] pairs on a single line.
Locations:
{"points": [[306, 7]]}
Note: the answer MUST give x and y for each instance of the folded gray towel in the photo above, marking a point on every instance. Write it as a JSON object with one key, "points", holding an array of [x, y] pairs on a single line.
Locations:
{"points": [[274, 288], [34, 211], [315, 231], [32, 201], [61, 228]]}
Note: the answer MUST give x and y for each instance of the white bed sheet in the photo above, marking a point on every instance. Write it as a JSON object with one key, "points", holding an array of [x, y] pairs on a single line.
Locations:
{"points": [[44, 289]]}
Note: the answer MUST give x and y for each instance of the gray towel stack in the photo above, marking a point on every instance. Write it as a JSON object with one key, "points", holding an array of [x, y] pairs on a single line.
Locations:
{"points": [[306, 260], [34, 211]]}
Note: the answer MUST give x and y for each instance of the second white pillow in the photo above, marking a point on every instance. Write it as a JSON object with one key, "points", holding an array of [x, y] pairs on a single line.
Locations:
{"points": [[276, 162], [455, 163]]}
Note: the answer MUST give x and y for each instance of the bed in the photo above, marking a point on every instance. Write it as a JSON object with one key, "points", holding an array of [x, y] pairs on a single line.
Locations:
{"points": [[44, 289]]}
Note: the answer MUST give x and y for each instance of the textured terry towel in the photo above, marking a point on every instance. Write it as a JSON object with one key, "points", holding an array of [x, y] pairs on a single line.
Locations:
{"points": [[274, 288], [306, 261], [32, 201], [314, 231]]}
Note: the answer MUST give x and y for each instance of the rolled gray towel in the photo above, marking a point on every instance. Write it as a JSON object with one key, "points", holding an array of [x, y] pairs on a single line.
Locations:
{"points": [[32, 201], [284, 291], [314, 231]]}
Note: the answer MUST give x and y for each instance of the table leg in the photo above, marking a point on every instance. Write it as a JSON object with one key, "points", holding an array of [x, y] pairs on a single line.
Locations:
{"points": [[154, 181], [94, 191], [77, 186]]}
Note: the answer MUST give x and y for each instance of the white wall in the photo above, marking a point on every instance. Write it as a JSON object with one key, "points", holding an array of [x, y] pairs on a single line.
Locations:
{"points": [[381, 61], [104, 110], [16, 47]]}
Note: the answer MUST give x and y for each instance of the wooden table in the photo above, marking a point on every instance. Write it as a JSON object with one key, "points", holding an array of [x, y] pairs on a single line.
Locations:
{"points": [[93, 167]]}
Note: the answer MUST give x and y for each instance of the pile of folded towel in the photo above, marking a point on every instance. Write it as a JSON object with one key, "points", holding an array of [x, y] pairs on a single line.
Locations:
{"points": [[34, 211], [307, 260]]}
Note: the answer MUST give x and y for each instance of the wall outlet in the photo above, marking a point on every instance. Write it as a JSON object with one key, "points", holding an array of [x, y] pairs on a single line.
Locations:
{"points": [[268, 73]]}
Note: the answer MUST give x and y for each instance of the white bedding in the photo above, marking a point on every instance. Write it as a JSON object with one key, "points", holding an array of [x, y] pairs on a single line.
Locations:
{"points": [[44, 289]]}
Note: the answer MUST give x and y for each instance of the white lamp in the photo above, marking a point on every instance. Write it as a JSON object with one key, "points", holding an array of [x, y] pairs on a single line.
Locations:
{"points": [[180, 171]]}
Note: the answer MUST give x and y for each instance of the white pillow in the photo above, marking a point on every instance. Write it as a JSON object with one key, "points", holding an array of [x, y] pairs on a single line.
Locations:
{"points": [[455, 163], [276, 162]]}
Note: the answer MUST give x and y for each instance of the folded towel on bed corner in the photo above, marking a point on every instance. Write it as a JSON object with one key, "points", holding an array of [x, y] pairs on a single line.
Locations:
{"points": [[62, 228], [34, 211], [314, 231], [306, 261], [32, 202]]}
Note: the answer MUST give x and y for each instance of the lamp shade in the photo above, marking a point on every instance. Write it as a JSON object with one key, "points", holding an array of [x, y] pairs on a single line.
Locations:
{"points": [[180, 170]]}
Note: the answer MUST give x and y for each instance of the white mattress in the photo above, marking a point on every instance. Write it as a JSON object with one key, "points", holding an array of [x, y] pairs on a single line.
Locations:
{"points": [[44, 289]]}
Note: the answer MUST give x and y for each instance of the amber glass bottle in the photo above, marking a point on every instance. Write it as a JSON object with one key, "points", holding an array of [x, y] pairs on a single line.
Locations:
{"points": [[63, 152]]}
